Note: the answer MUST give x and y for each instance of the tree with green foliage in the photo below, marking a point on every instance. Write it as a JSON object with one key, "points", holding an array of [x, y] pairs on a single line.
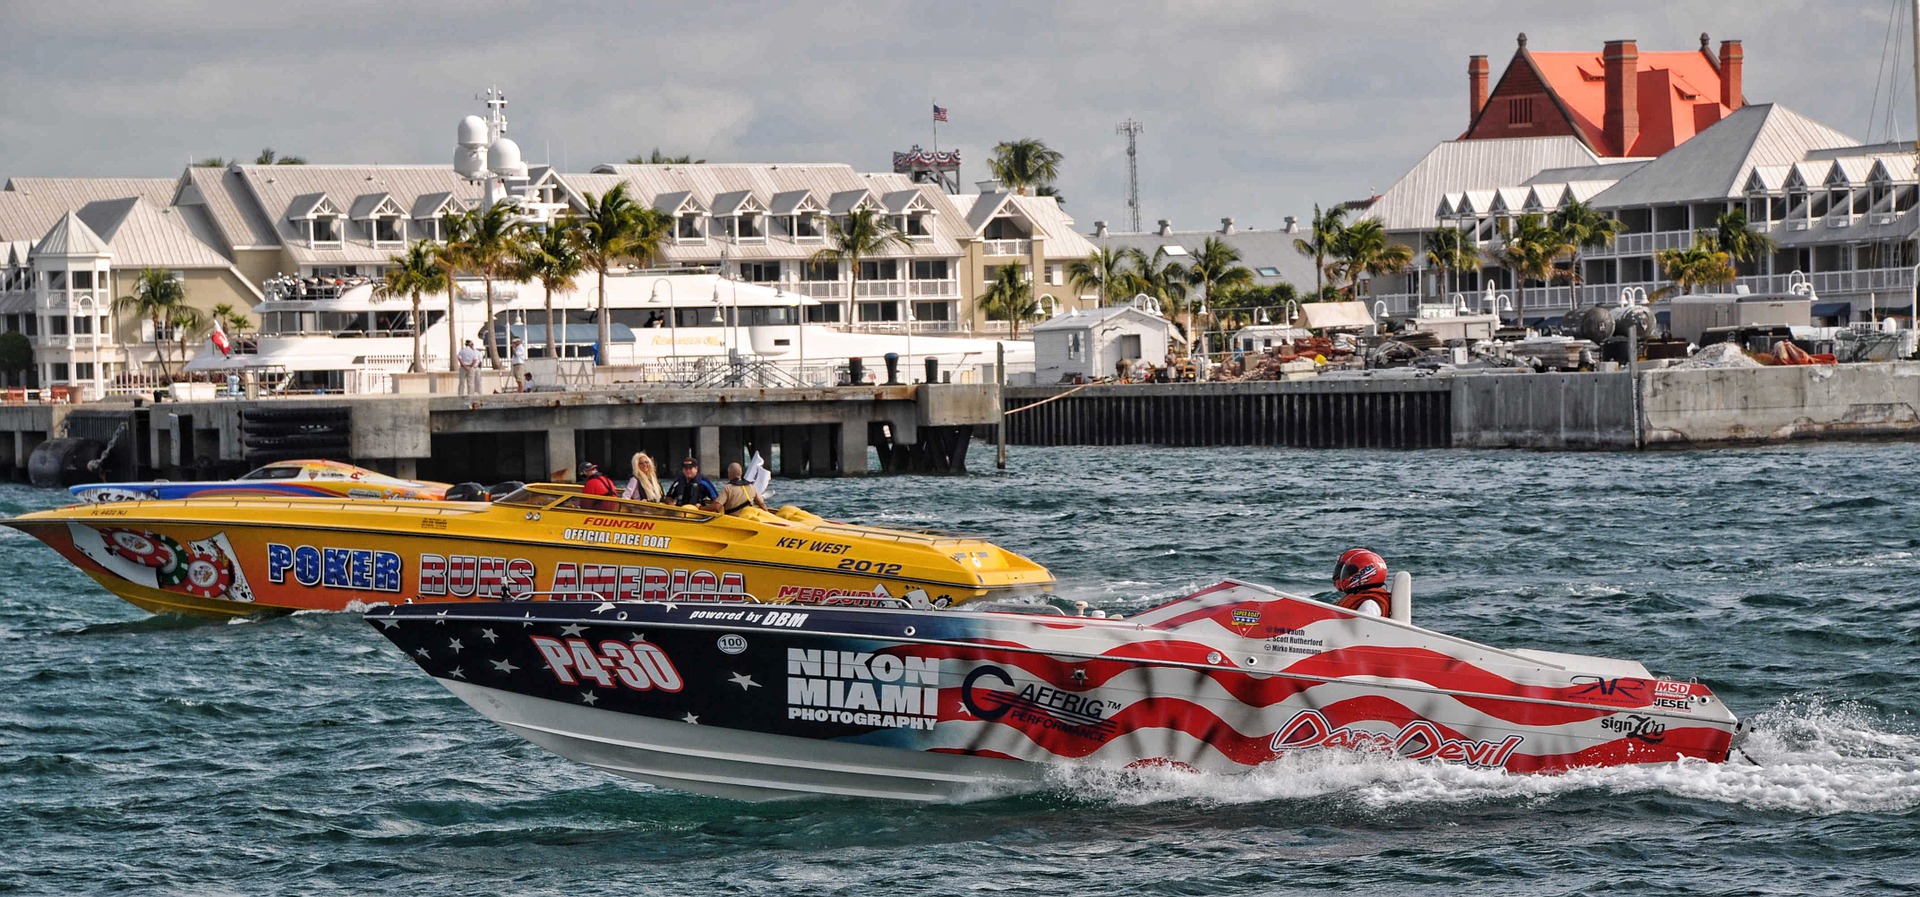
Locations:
{"points": [[269, 157], [416, 272], [160, 297], [16, 353], [485, 247], [1215, 269], [1010, 298], [859, 235], [1159, 276], [1703, 264], [1025, 166], [1531, 249], [1363, 249], [1322, 240], [614, 229], [552, 256], [1105, 271], [1451, 252], [1734, 235], [211, 162], [659, 158], [1582, 227]]}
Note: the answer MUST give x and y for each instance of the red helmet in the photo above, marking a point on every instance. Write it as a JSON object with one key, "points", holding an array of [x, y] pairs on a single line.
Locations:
{"points": [[1359, 569]]}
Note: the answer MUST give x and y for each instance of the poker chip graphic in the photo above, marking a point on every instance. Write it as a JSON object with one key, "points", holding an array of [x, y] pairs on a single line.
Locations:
{"points": [[146, 549], [207, 575]]}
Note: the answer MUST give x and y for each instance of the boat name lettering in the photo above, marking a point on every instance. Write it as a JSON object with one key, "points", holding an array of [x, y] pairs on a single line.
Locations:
{"points": [[1637, 727], [881, 690], [812, 545], [835, 597], [473, 576], [619, 523], [603, 537], [859, 566], [637, 665], [624, 583], [361, 569], [1418, 740]]}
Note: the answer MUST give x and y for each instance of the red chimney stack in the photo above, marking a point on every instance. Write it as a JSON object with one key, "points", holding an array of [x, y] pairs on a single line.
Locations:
{"points": [[1732, 60], [1476, 86], [1622, 120]]}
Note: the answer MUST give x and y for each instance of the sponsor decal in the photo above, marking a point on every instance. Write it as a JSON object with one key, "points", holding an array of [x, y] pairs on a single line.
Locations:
{"points": [[1036, 705], [473, 576], [1667, 688], [203, 568], [1418, 740], [635, 665], [1246, 617], [615, 537], [804, 544], [860, 689], [878, 596], [1618, 692], [634, 583], [732, 643], [1636, 727], [355, 569], [778, 619]]}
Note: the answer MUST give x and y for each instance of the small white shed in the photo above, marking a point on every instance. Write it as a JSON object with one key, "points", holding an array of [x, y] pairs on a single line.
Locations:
{"points": [[1091, 344]]}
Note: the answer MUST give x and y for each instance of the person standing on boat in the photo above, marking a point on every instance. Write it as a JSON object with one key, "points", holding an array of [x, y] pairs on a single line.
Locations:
{"points": [[1361, 578], [693, 489], [469, 369], [739, 494], [645, 483], [518, 353], [593, 482]]}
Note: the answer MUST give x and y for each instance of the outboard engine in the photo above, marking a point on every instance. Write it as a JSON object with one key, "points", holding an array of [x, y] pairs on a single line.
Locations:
{"points": [[504, 489], [466, 492]]}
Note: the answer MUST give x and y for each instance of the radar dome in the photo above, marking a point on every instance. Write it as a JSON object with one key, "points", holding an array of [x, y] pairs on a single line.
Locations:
{"points": [[503, 157], [470, 161], [473, 131]]}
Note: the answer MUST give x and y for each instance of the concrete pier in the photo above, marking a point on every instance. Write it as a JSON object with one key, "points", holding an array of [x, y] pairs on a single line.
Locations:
{"points": [[840, 431]]}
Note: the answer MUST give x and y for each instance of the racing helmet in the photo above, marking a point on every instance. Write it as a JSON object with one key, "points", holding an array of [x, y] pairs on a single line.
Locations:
{"points": [[1359, 569]]}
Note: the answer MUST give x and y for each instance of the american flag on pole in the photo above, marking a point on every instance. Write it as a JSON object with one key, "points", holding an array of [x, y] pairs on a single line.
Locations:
{"points": [[939, 113]]}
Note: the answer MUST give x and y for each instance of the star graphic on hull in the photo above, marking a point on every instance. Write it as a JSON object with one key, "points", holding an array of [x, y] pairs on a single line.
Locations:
{"points": [[421, 652], [390, 621], [572, 629], [526, 620], [454, 643], [603, 607], [637, 637], [440, 619], [504, 666], [458, 672], [589, 698], [488, 635], [743, 680], [690, 720]]}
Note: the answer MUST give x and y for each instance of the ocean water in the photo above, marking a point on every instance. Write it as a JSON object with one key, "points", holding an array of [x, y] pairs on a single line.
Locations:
{"points": [[303, 755]]}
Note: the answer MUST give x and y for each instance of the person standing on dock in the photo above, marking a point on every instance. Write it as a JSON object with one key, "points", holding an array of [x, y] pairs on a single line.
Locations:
{"points": [[518, 353], [469, 369]]}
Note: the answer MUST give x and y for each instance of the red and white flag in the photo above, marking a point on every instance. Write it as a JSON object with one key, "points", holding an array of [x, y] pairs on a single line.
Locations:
{"points": [[219, 337]]}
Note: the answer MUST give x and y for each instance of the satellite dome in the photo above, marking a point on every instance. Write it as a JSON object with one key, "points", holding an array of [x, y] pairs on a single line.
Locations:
{"points": [[470, 161], [503, 157], [473, 132]]}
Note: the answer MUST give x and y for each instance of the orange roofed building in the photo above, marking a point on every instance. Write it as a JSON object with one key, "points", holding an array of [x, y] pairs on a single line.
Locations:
{"points": [[1620, 102]]}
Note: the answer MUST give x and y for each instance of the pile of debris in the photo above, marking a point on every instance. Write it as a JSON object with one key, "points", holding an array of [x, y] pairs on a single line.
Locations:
{"points": [[1718, 355]]}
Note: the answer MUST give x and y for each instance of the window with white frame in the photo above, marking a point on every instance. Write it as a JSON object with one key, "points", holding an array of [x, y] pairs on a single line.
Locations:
{"points": [[389, 229], [806, 226], [931, 269], [819, 271], [323, 229], [748, 226], [687, 228], [760, 272]]}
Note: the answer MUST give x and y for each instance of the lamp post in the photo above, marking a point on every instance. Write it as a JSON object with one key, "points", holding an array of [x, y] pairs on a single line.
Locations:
{"points": [[92, 307], [673, 318]]}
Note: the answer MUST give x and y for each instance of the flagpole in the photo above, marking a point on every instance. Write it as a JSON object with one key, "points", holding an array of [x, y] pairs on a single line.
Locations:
{"points": [[936, 132]]}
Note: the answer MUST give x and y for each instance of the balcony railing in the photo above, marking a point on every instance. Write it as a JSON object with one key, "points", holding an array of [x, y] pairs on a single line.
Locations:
{"points": [[942, 288], [822, 289], [882, 289], [1009, 247]]}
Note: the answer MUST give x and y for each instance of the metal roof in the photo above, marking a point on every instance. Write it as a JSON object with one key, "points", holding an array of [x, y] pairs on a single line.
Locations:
{"points": [[72, 193], [142, 236], [69, 237], [1470, 165], [1259, 248], [232, 208], [276, 188], [1715, 163], [1608, 170]]}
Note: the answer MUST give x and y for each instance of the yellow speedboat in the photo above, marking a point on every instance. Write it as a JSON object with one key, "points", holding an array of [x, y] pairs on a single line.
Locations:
{"points": [[239, 556]]}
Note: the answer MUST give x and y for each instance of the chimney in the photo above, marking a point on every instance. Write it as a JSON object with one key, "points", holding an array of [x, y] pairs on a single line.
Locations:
{"points": [[1166, 227], [1622, 120], [1476, 86], [990, 185], [1226, 225], [1100, 230], [1732, 60], [1293, 224]]}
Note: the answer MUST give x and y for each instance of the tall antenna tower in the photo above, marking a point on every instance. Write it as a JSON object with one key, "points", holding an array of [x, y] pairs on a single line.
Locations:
{"points": [[1132, 128]]}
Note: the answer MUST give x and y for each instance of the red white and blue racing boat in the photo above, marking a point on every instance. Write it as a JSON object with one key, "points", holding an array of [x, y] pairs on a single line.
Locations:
{"points": [[766, 701]]}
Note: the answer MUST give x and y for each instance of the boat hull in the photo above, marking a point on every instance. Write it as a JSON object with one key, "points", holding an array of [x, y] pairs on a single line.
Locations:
{"points": [[759, 703], [237, 557]]}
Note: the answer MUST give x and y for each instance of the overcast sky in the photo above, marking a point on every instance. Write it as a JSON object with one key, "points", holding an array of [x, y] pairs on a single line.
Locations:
{"points": [[1254, 109]]}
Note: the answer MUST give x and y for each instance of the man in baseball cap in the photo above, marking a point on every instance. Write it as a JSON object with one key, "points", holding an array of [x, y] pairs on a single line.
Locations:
{"points": [[690, 488]]}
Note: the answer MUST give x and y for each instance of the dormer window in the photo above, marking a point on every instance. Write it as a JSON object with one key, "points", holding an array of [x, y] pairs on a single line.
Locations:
{"points": [[750, 227], [428, 229], [687, 228], [807, 226], [323, 229], [315, 216], [392, 229], [915, 225]]}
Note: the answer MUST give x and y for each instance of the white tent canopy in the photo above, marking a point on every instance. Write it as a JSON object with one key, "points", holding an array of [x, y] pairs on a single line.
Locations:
{"points": [[1337, 315]]}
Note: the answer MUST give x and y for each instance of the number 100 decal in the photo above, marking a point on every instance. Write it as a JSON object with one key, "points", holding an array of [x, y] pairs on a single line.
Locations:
{"points": [[640, 666]]}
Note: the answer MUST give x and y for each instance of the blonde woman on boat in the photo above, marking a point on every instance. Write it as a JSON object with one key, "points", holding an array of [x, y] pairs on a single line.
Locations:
{"points": [[645, 482]]}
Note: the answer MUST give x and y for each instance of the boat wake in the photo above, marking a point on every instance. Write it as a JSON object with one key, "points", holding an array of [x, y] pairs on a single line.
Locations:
{"points": [[1805, 756]]}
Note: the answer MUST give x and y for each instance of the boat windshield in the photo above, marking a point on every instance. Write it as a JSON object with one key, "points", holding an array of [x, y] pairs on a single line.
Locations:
{"points": [[273, 472], [557, 496]]}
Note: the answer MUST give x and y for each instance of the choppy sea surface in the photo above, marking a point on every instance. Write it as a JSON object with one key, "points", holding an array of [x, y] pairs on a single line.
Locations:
{"points": [[304, 755]]}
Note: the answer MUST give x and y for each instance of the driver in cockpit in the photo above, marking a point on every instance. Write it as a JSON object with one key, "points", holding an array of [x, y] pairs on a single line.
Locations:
{"points": [[1361, 578]]}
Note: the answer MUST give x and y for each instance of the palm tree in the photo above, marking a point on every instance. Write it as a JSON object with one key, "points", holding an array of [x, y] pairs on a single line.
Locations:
{"points": [[211, 162], [863, 233], [1583, 228], [453, 231], [552, 256], [269, 157], [1215, 269], [1363, 248], [1025, 165], [160, 297], [1531, 249], [1450, 251], [418, 271], [486, 248], [1104, 270], [1739, 239], [1010, 298], [1321, 240], [1701, 265], [615, 229], [1159, 277], [660, 158], [231, 319]]}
